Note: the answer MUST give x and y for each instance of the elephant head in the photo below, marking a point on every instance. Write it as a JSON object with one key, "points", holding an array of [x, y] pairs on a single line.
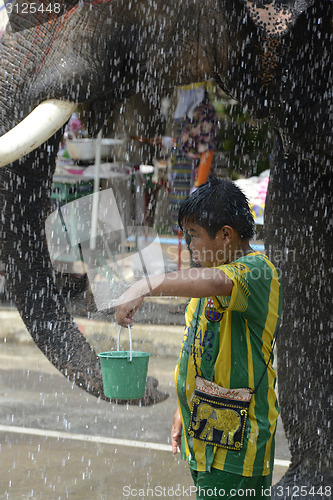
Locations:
{"points": [[204, 412], [96, 53]]}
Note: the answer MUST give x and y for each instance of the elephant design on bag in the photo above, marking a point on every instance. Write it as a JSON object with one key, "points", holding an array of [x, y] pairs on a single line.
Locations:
{"points": [[204, 412], [226, 420]]}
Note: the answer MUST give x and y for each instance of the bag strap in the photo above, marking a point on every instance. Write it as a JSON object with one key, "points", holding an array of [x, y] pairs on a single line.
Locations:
{"points": [[266, 367], [194, 354], [195, 332]]}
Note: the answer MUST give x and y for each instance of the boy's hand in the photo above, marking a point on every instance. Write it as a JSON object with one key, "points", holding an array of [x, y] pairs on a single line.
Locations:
{"points": [[176, 432], [128, 304]]}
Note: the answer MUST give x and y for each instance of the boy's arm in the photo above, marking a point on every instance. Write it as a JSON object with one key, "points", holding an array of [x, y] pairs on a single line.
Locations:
{"points": [[194, 282]]}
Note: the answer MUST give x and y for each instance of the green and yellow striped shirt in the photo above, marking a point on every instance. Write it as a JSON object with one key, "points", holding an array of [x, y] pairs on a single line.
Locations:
{"points": [[231, 338]]}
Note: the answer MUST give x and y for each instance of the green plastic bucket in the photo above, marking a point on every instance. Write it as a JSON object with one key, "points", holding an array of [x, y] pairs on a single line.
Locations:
{"points": [[124, 372]]}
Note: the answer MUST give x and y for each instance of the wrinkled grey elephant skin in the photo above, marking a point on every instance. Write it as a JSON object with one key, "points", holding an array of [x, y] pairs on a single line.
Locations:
{"points": [[100, 53]]}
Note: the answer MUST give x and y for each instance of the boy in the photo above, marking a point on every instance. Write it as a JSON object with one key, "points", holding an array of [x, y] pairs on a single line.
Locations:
{"points": [[230, 323]]}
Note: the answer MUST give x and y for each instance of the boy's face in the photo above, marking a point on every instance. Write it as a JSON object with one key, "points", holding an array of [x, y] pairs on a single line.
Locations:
{"points": [[207, 251]]}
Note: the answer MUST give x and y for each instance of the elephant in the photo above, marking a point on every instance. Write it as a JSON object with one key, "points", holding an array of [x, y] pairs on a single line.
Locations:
{"points": [[275, 58], [222, 419]]}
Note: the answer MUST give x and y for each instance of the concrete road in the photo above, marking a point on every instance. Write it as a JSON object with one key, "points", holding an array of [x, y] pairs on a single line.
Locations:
{"points": [[58, 442]]}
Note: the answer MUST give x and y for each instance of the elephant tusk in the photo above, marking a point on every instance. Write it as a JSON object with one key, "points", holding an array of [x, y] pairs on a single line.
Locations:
{"points": [[36, 128]]}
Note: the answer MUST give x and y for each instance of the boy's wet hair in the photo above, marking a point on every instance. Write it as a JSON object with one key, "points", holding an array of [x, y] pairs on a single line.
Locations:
{"points": [[218, 203]]}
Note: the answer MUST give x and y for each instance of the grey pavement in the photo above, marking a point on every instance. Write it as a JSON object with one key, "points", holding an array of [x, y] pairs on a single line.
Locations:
{"points": [[58, 442]]}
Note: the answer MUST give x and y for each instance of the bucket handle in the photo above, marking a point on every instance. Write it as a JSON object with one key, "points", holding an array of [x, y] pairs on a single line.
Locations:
{"points": [[130, 339]]}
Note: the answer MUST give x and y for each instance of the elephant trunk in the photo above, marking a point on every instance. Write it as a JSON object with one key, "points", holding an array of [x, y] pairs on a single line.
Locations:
{"points": [[25, 190], [24, 205]]}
